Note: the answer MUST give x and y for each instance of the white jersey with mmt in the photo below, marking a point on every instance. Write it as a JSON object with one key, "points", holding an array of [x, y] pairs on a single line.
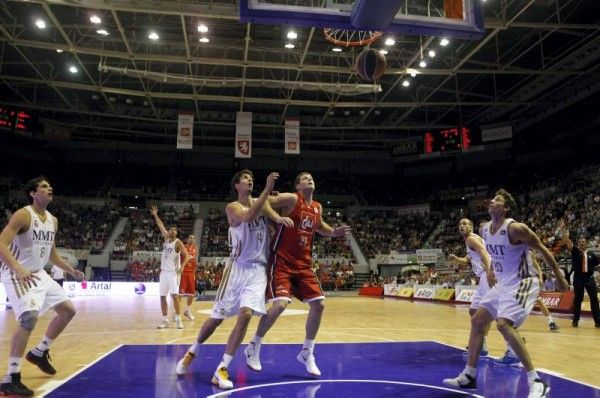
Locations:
{"points": [[32, 248], [250, 242], [508, 261], [170, 261], [475, 258], [244, 278]]}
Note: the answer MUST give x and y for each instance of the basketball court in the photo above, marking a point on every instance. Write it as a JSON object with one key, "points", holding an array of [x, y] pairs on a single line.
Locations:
{"points": [[366, 347]]}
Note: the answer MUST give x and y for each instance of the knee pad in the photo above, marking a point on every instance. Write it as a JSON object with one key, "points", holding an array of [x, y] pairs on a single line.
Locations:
{"points": [[28, 319]]}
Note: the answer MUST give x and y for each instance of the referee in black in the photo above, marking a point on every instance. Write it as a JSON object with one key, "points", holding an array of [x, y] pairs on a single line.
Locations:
{"points": [[583, 263]]}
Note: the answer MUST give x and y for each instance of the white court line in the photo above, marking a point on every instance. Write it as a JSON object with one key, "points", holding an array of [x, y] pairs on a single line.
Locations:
{"points": [[229, 392], [54, 384], [550, 372]]}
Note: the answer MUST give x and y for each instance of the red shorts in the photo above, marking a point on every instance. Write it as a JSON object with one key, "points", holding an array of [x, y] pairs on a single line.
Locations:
{"points": [[288, 279], [187, 285]]}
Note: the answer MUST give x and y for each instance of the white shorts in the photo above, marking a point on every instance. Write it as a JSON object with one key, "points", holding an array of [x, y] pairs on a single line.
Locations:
{"points": [[482, 288], [513, 302], [168, 283], [241, 286], [41, 298]]}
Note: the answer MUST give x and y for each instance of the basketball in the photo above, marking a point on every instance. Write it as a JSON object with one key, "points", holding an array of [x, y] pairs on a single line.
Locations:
{"points": [[370, 64]]}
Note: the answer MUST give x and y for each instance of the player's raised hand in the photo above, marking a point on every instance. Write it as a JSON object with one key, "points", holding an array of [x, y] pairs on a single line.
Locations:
{"points": [[153, 210], [271, 181]]}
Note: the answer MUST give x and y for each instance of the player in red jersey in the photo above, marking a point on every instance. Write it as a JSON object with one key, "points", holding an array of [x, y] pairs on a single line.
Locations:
{"points": [[290, 272], [187, 285]]}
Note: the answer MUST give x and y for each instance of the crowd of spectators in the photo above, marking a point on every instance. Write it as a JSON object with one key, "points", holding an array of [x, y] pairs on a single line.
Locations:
{"points": [[84, 226], [379, 232], [141, 232], [147, 270], [215, 234], [335, 275]]}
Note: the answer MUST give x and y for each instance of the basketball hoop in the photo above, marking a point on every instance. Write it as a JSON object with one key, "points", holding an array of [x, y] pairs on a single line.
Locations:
{"points": [[350, 38]]}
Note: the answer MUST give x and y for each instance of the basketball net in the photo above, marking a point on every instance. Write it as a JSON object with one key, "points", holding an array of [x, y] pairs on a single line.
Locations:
{"points": [[350, 38]]}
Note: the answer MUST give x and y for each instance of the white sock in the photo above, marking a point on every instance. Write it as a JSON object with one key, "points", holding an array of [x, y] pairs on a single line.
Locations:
{"points": [[257, 340], [14, 365], [42, 346], [176, 317], [550, 320], [309, 345], [531, 376], [471, 371], [166, 318], [225, 361], [194, 348]]}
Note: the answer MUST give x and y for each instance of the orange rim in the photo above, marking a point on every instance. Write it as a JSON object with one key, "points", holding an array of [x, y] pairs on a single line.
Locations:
{"points": [[350, 38]]}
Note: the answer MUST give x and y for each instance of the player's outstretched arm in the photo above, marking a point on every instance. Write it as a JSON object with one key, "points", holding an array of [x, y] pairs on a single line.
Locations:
{"points": [[237, 214], [519, 232], [476, 244], [19, 222], [272, 215], [459, 260], [159, 223], [327, 230]]}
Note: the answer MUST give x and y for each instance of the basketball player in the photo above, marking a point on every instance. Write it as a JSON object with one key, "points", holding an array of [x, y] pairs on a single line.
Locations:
{"points": [[510, 358], [170, 267], [553, 326], [187, 286], [512, 298], [242, 290], [290, 270], [479, 259], [26, 246]]}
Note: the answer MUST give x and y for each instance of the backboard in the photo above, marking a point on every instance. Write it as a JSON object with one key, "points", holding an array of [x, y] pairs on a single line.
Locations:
{"points": [[449, 18]]}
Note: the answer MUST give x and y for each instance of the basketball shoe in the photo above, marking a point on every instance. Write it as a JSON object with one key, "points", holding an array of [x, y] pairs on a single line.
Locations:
{"points": [[253, 357], [509, 359], [188, 315], [182, 365], [41, 361], [11, 385], [163, 324], [538, 389], [178, 323], [221, 379], [553, 326], [307, 358], [463, 381]]}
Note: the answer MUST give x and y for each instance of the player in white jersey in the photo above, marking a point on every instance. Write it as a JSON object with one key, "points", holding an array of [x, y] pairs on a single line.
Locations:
{"points": [[512, 298], [479, 259], [26, 246], [170, 268], [242, 289]]}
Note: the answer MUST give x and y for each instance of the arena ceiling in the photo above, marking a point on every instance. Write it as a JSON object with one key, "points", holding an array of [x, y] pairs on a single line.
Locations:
{"points": [[536, 58]]}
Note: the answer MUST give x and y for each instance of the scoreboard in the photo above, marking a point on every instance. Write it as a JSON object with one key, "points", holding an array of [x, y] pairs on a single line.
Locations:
{"points": [[452, 139], [17, 120]]}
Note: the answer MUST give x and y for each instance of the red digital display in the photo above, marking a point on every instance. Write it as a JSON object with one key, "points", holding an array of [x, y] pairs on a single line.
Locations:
{"points": [[14, 119], [454, 139]]}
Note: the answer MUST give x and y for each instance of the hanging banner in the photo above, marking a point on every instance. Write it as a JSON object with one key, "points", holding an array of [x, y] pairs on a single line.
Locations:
{"points": [[185, 131], [243, 135], [292, 135]]}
